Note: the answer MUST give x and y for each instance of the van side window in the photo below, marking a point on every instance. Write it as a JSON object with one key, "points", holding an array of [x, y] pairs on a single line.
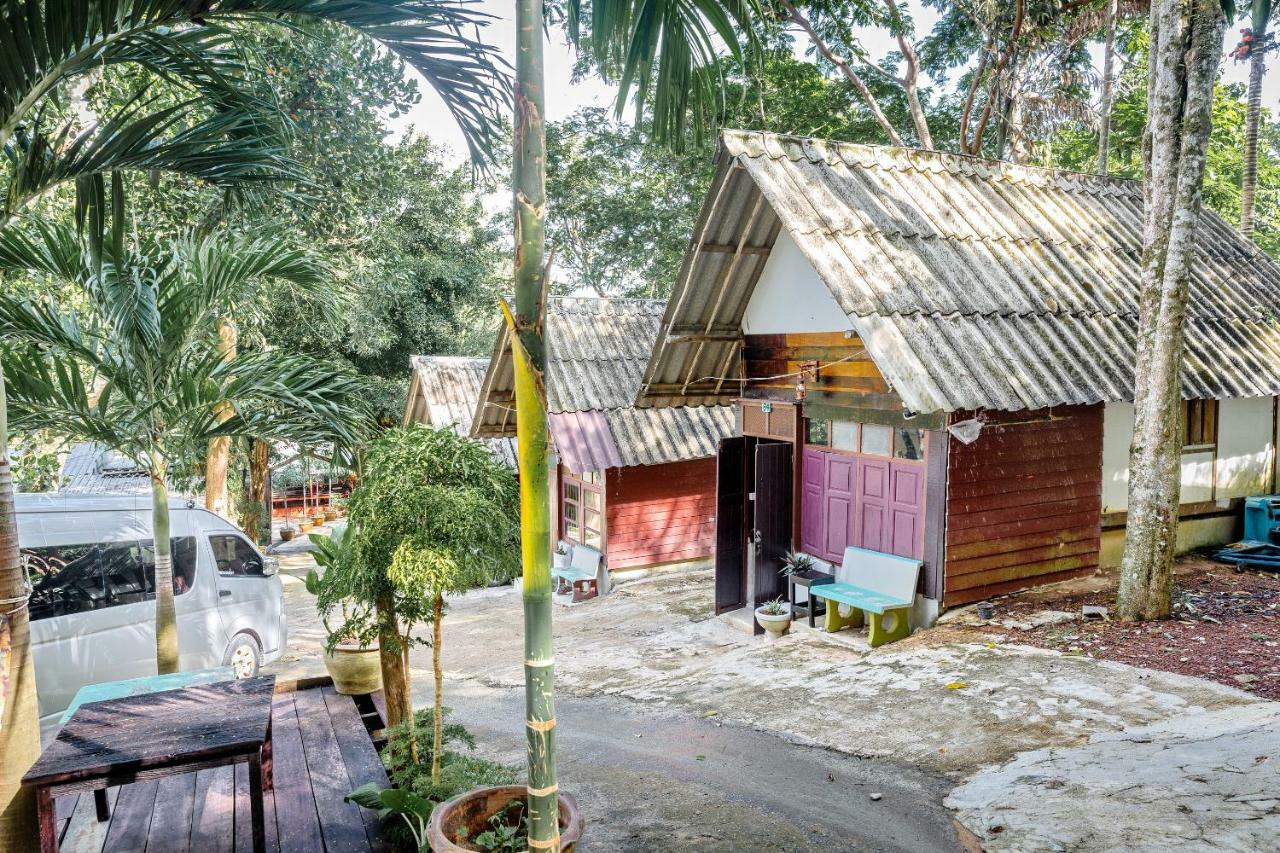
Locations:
{"points": [[74, 578], [234, 556]]}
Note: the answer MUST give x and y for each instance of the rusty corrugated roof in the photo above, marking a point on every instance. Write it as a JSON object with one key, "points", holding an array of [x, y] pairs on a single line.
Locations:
{"points": [[597, 350], [444, 392], [973, 284]]}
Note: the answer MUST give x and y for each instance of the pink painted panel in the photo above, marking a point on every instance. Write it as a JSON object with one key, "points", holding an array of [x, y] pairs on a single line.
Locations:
{"points": [[584, 441], [873, 511], [839, 502], [812, 512], [906, 510]]}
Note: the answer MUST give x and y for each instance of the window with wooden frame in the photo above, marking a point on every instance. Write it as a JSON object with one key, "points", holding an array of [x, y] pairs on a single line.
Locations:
{"points": [[1200, 424], [582, 508], [867, 439]]}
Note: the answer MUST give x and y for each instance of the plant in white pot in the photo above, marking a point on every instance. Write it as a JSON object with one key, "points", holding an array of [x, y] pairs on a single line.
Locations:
{"points": [[351, 650], [775, 617]]}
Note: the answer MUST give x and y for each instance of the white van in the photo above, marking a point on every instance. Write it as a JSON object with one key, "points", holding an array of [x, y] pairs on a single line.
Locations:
{"points": [[92, 566]]}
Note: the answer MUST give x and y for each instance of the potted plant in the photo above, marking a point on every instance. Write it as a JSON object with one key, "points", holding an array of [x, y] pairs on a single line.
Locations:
{"points": [[795, 563], [775, 617], [305, 525], [351, 654], [331, 513], [287, 533], [496, 819]]}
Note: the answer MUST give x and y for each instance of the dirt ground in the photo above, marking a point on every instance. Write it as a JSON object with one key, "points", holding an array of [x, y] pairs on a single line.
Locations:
{"points": [[1225, 625]]}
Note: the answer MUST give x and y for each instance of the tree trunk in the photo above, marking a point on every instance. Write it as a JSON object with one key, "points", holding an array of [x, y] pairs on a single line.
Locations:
{"points": [[529, 358], [1108, 84], [437, 736], [1186, 43], [219, 458], [393, 655], [257, 523], [1249, 182], [166, 614], [19, 713]]}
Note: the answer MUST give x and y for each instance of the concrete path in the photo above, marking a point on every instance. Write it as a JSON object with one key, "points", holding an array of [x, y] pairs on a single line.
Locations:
{"points": [[656, 781], [1195, 783]]}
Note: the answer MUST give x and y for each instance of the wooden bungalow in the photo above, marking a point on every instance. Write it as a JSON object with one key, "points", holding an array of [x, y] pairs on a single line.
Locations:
{"points": [[444, 390], [636, 484], [933, 356]]}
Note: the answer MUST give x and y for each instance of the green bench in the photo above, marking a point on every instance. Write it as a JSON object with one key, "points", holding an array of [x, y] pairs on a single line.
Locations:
{"points": [[582, 574], [882, 585]]}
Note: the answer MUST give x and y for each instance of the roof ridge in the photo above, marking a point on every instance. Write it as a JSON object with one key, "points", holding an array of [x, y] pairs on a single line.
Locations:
{"points": [[966, 162]]}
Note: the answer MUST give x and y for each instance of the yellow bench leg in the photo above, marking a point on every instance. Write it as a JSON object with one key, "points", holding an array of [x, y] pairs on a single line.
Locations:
{"points": [[835, 621], [889, 626]]}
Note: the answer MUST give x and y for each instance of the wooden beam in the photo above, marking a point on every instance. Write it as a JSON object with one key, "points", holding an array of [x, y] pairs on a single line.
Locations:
{"points": [[729, 338], [733, 249]]}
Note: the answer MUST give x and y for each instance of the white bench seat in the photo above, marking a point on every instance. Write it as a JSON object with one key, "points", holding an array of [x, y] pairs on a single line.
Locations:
{"points": [[883, 585]]}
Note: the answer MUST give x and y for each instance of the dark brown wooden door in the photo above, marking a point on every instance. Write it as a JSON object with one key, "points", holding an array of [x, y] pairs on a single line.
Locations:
{"points": [[731, 531], [773, 526]]}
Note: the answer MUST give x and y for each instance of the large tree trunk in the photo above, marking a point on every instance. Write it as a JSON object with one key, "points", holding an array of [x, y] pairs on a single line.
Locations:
{"points": [[19, 713], [529, 358], [437, 736], [1108, 85], [166, 614], [219, 458], [1186, 44], [257, 525], [1249, 181]]}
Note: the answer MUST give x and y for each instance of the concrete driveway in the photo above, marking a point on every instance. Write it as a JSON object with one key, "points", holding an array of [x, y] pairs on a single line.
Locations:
{"points": [[945, 709]]}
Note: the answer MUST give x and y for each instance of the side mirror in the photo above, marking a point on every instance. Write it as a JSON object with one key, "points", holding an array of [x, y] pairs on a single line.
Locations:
{"points": [[270, 566]]}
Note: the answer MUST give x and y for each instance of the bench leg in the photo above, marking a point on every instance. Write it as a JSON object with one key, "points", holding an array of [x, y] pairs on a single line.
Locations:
{"points": [[889, 626], [834, 621], [100, 803]]}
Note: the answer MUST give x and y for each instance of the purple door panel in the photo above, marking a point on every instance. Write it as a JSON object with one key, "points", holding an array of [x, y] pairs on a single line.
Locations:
{"points": [[812, 512], [874, 517], [906, 510], [839, 502]]}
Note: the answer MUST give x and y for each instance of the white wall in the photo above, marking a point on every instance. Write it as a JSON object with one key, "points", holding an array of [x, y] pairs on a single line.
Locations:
{"points": [[1245, 448], [790, 297]]}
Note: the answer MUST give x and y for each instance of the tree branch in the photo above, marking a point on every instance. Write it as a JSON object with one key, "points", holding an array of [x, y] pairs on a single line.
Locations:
{"points": [[909, 81]]}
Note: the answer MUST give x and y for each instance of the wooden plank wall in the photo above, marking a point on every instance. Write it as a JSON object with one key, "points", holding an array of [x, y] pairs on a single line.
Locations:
{"points": [[853, 382], [1024, 502], [660, 513]]}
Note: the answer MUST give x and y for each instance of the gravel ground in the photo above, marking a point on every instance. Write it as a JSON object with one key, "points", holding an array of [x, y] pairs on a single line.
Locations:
{"points": [[1226, 625]]}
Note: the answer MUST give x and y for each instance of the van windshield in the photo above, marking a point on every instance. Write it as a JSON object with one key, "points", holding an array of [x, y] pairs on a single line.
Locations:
{"points": [[90, 576]]}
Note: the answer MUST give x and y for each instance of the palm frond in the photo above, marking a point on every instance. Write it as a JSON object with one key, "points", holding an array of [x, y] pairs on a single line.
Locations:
{"points": [[666, 54]]}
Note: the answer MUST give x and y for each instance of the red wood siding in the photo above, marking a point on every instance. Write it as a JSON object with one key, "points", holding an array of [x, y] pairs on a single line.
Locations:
{"points": [[660, 513], [1024, 502]]}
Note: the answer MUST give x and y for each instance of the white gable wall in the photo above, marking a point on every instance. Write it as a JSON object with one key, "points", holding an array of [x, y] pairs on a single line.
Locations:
{"points": [[790, 297], [1241, 466]]}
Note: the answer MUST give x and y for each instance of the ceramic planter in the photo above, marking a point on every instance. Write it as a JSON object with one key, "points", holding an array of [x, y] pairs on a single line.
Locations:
{"points": [[304, 526], [354, 669], [286, 534], [330, 515], [317, 519], [468, 815], [775, 624]]}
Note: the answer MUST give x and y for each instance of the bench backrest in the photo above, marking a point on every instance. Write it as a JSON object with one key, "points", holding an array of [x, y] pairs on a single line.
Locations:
{"points": [[883, 573], [585, 558]]}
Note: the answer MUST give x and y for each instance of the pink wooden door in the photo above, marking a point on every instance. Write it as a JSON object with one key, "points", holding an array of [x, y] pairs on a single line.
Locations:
{"points": [[873, 505], [906, 510], [839, 502], [812, 511]]}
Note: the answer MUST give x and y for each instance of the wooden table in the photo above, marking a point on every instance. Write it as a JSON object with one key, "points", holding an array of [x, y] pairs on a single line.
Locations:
{"points": [[120, 741]]}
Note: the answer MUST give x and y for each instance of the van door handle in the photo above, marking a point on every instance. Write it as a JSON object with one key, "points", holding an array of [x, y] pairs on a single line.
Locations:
{"points": [[224, 593]]}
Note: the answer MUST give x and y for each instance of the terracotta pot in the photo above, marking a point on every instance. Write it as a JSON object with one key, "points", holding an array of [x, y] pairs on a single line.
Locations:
{"points": [[304, 526], [330, 515], [286, 535], [354, 669], [318, 519], [468, 815]]}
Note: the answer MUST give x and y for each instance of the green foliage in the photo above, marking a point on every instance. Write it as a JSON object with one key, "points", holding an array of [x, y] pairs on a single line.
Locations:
{"points": [[335, 554], [416, 794], [433, 513], [36, 466], [134, 363], [1076, 148]]}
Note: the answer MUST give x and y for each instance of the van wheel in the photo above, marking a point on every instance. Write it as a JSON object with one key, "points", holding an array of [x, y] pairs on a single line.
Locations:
{"points": [[243, 656]]}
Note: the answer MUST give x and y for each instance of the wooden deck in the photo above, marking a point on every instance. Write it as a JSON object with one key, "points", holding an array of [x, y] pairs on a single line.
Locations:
{"points": [[322, 750]]}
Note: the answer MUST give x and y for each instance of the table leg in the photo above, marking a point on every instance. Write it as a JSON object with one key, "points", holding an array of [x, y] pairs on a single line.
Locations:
{"points": [[101, 804], [256, 808], [268, 782], [813, 605], [46, 818], [791, 595]]}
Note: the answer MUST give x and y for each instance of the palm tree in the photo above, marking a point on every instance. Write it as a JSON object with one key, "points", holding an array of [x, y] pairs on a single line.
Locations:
{"points": [[59, 42], [1254, 47], [244, 264], [156, 380], [664, 52]]}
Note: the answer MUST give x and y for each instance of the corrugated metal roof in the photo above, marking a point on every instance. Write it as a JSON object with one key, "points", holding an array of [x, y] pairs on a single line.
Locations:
{"points": [[597, 350], [584, 440], [971, 283], [445, 391], [91, 469]]}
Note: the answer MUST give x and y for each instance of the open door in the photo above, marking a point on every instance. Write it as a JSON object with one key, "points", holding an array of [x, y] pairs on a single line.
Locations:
{"points": [[731, 532], [773, 486]]}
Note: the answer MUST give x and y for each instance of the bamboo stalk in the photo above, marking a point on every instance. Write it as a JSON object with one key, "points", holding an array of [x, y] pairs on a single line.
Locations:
{"points": [[167, 659]]}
